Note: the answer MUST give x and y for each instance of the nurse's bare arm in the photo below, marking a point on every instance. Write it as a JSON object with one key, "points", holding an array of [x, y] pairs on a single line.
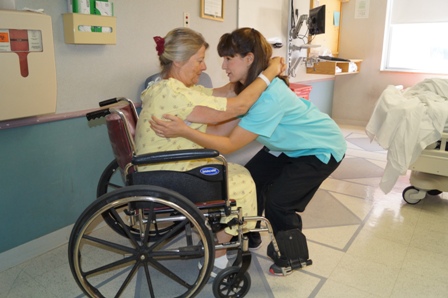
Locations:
{"points": [[175, 127], [223, 128]]}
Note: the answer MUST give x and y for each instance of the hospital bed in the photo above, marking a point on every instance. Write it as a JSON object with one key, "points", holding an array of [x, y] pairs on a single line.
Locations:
{"points": [[412, 124]]}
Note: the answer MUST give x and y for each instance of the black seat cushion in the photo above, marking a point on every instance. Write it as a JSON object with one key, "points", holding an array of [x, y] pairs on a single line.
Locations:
{"points": [[202, 184]]}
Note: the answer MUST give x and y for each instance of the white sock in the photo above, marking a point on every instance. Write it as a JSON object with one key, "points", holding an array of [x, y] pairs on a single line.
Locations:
{"points": [[221, 262]]}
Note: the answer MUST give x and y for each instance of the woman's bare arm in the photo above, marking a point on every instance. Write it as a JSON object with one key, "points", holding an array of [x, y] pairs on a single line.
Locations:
{"points": [[240, 104], [175, 127], [222, 129]]}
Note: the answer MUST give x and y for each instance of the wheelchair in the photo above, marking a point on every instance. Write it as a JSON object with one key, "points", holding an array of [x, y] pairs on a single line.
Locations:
{"points": [[146, 230]]}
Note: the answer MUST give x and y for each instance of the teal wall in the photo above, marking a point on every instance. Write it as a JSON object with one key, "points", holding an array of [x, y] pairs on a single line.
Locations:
{"points": [[49, 175]]}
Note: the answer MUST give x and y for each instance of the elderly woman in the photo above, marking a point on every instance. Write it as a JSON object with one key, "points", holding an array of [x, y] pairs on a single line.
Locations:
{"points": [[181, 54]]}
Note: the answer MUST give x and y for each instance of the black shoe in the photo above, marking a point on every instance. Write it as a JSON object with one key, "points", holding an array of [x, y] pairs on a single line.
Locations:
{"points": [[254, 240], [271, 252]]}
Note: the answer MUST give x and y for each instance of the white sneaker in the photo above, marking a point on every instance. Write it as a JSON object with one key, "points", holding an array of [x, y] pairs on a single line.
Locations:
{"points": [[215, 270]]}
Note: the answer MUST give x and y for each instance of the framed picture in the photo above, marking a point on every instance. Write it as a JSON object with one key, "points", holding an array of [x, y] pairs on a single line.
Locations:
{"points": [[212, 9]]}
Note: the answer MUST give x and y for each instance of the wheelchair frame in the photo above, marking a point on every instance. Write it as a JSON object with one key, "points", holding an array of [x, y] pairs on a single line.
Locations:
{"points": [[136, 233]]}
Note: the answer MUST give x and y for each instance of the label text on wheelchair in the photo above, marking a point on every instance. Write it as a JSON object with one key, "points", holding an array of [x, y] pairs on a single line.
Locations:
{"points": [[209, 171]]}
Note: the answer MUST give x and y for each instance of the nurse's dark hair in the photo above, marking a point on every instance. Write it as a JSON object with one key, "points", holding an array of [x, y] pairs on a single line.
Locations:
{"points": [[241, 42], [180, 44]]}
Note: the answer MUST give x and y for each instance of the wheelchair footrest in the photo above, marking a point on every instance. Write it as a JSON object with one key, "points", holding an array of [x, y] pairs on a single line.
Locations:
{"points": [[285, 267], [291, 253]]}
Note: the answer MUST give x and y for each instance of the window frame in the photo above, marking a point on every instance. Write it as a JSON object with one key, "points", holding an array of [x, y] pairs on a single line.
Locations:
{"points": [[387, 64]]}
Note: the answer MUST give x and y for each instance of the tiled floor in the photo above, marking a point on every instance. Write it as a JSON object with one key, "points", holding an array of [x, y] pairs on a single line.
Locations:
{"points": [[363, 243]]}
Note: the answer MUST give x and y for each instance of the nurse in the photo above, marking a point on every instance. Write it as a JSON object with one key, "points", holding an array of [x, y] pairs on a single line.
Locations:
{"points": [[302, 146]]}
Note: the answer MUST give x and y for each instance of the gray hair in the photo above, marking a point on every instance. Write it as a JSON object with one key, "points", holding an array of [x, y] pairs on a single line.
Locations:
{"points": [[180, 45]]}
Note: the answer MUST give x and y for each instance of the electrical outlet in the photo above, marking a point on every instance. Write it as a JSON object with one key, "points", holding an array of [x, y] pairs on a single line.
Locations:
{"points": [[187, 19]]}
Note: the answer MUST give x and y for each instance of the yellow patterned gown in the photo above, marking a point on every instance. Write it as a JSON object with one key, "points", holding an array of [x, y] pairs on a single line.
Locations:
{"points": [[173, 97]]}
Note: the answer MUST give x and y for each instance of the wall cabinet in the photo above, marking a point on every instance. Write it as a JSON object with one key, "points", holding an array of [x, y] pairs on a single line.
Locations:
{"points": [[74, 21]]}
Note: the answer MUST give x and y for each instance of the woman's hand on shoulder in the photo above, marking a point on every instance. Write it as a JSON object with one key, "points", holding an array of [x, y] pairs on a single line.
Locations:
{"points": [[169, 126]]}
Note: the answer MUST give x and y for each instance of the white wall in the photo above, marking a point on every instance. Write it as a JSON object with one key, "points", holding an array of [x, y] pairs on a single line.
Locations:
{"points": [[355, 96], [271, 18], [87, 74]]}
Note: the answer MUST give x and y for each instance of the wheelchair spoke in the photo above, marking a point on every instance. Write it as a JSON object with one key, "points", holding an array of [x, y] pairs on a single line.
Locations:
{"points": [[174, 231], [169, 273], [109, 244], [114, 186], [109, 266], [125, 227], [149, 282], [128, 279], [151, 215]]}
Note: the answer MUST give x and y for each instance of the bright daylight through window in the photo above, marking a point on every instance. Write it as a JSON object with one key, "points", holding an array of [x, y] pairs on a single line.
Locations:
{"points": [[415, 36]]}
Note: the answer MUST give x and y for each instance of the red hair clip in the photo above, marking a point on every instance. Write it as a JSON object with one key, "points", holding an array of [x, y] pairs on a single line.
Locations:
{"points": [[160, 44]]}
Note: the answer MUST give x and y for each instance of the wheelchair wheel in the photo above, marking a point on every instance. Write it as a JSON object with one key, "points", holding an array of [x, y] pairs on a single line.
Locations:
{"points": [[110, 180], [227, 283], [106, 264]]}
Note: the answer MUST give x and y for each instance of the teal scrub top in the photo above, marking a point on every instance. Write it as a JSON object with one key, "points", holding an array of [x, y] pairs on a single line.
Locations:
{"points": [[287, 123]]}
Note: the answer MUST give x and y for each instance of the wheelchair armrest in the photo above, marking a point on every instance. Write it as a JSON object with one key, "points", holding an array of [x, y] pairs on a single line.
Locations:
{"points": [[175, 155]]}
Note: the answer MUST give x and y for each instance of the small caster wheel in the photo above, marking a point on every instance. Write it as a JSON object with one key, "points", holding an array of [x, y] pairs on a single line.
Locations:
{"points": [[407, 192], [226, 283]]}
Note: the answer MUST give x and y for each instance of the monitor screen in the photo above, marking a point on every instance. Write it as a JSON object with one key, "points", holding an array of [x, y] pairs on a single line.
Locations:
{"points": [[316, 20]]}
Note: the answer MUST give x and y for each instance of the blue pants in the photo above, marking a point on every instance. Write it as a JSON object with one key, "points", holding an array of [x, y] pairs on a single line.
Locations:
{"points": [[286, 185]]}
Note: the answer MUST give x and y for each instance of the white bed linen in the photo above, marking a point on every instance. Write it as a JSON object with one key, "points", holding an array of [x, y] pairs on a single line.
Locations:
{"points": [[406, 122]]}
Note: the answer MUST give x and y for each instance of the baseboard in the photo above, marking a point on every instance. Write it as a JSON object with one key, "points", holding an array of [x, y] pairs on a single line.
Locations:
{"points": [[34, 248]]}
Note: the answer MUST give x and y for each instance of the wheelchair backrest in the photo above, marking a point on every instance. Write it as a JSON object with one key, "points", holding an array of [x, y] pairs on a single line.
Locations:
{"points": [[121, 124]]}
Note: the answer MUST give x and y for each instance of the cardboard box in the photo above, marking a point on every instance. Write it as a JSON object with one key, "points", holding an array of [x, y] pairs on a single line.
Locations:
{"points": [[104, 8], [84, 7]]}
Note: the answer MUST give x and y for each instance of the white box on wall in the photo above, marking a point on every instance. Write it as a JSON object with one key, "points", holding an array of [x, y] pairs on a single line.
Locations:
{"points": [[28, 76]]}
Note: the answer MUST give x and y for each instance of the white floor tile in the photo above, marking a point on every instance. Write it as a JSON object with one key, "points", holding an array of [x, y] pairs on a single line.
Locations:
{"points": [[389, 249]]}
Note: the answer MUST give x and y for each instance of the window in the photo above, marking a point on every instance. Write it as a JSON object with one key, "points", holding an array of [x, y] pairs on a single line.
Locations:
{"points": [[415, 36]]}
